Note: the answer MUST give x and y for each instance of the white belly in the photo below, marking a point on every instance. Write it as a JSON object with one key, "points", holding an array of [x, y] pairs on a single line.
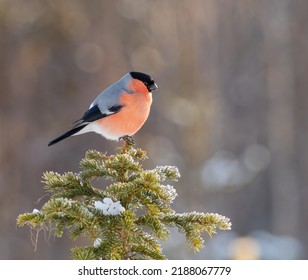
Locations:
{"points": [[94, 127]]}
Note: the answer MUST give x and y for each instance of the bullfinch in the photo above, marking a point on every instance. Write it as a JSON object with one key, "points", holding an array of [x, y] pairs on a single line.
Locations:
{"points": [[119, 111]]}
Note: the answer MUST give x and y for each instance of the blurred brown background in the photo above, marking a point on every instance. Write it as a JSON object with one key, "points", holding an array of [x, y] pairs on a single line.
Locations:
{"points": [[231, 111]]}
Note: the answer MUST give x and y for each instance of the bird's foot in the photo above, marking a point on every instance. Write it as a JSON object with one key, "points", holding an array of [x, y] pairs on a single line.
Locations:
{"points": [[127, 142]]}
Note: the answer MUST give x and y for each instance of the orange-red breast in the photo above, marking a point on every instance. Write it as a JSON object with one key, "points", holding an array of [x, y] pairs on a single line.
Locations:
{"points": [[119, 111]]}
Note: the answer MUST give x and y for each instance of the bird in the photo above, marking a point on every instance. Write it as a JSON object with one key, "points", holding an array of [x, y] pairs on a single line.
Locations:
{"points": [[119, 111]]}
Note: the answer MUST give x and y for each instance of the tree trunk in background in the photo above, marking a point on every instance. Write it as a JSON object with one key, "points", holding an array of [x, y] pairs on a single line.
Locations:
{"points": [[276, 19]]}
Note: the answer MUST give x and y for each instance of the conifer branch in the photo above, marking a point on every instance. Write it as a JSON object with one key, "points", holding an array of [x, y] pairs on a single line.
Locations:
{"points": [[126, 219]]}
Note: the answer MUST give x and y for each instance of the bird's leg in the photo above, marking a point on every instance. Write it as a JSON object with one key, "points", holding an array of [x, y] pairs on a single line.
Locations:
{"points": [[127, 141]]}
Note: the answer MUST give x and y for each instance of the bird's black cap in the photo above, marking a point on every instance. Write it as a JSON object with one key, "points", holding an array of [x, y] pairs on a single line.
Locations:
{"points": [[146, 79]]}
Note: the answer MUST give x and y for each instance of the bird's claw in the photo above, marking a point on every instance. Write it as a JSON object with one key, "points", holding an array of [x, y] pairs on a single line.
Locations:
{"points": [[127, 141]]}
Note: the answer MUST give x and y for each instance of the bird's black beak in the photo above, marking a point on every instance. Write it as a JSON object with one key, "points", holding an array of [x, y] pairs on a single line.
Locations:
{"points": [[152, 87]]}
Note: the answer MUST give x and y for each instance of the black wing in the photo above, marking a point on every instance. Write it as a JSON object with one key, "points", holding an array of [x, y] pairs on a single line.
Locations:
{"points": [[93, 114]]}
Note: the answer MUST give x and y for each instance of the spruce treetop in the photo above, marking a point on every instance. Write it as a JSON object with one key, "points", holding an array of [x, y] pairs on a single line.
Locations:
{"points": [[125, 220]]}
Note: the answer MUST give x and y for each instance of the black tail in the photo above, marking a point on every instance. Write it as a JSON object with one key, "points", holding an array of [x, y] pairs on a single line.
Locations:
{"points": [[67, 134]]}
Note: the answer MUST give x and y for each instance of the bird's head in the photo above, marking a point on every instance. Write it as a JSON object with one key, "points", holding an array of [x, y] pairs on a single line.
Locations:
{"points": [[142, 82]]}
